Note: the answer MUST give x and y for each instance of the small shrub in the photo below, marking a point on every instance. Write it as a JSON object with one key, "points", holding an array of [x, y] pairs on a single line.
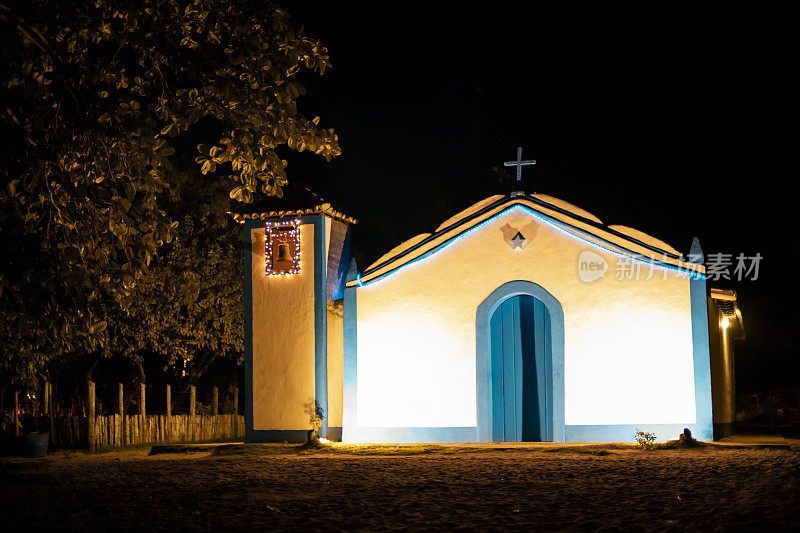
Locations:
{"points": [[315, 415], [316, 422], [646, 440]]}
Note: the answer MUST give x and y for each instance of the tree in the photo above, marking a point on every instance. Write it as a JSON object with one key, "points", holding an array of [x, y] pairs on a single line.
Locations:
{"points": [[98, 96], [189, 307]]}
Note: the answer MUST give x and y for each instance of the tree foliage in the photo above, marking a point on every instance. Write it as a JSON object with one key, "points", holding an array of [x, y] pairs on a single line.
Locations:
{"points": [[189, 306], [101, 98]]}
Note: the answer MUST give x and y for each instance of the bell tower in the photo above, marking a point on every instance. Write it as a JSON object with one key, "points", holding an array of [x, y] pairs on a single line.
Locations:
{"points": [[295, 263]]}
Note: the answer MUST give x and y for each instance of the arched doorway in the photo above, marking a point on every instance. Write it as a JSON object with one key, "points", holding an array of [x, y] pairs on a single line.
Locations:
{"points": [[520, 366], [519, 327]]}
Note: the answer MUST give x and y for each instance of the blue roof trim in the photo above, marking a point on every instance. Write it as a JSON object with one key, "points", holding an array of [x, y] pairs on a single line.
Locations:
{"points": [[547, 205], [554, 222], [604, 228], [437, 234]]}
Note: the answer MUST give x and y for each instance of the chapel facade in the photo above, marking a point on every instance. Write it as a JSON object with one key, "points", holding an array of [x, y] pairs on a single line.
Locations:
{"points": [[521, 318]]}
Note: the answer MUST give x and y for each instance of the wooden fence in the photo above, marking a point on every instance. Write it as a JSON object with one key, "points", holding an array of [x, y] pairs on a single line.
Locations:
{"points": [[96, 432], [113, 431], [133, 430]]}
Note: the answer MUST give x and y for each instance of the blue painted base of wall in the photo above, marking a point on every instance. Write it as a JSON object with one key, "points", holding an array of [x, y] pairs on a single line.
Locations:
{"points": [[407, 435], [275, 435], [626, 433], [289, 435], [616, 433], [334, 434]]}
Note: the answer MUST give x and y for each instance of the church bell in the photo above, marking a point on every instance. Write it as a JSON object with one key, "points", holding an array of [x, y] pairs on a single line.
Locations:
{"points": [[283, 253]]}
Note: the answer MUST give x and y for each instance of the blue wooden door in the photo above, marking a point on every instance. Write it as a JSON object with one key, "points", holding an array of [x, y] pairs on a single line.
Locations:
{"points": [[520, 368]]}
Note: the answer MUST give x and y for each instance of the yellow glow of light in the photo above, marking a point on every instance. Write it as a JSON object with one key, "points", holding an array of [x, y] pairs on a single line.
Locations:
{"points": [[725, 322]]}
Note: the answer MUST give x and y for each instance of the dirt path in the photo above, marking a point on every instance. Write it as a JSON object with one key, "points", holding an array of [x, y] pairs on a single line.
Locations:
{"points": [[257, 489]]}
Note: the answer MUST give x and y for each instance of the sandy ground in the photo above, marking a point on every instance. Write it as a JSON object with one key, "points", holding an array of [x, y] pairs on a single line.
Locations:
{"points": [[266, 488]]}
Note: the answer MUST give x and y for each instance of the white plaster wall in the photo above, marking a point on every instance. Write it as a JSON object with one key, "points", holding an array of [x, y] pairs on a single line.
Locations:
{"points": [[283, 339], [628, 344]]}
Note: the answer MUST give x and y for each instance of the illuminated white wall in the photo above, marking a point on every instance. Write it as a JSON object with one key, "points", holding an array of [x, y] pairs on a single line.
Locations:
{"points": [[628, 344], [283, 339]]}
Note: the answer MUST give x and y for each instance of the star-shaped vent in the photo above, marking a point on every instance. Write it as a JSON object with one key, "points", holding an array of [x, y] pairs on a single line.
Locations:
{"points": [[518, 241]]}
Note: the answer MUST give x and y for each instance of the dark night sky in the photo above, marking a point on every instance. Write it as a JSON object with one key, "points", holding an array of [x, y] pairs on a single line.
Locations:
{"points": [[674, 123]]}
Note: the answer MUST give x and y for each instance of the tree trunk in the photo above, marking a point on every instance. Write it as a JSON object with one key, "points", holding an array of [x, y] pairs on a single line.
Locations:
{"points": [[206, 357], [50, 407], [91, 370], [90, 415], [202, 365], [142, 381], [3, 388], [142, 376]]}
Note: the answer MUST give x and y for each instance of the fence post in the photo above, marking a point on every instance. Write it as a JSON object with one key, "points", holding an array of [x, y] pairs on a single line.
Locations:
{"points": [[192, 402], [90, 418], [142, 414], [192, 397], [51, 415], [168, 418], [119, 428], [142, 407], [120, 400], [235, 417], [16, 412], [215, 399]]}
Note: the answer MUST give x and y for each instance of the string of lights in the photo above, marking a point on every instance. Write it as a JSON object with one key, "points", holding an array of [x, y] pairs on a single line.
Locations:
{"points": [[283, 236]]}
